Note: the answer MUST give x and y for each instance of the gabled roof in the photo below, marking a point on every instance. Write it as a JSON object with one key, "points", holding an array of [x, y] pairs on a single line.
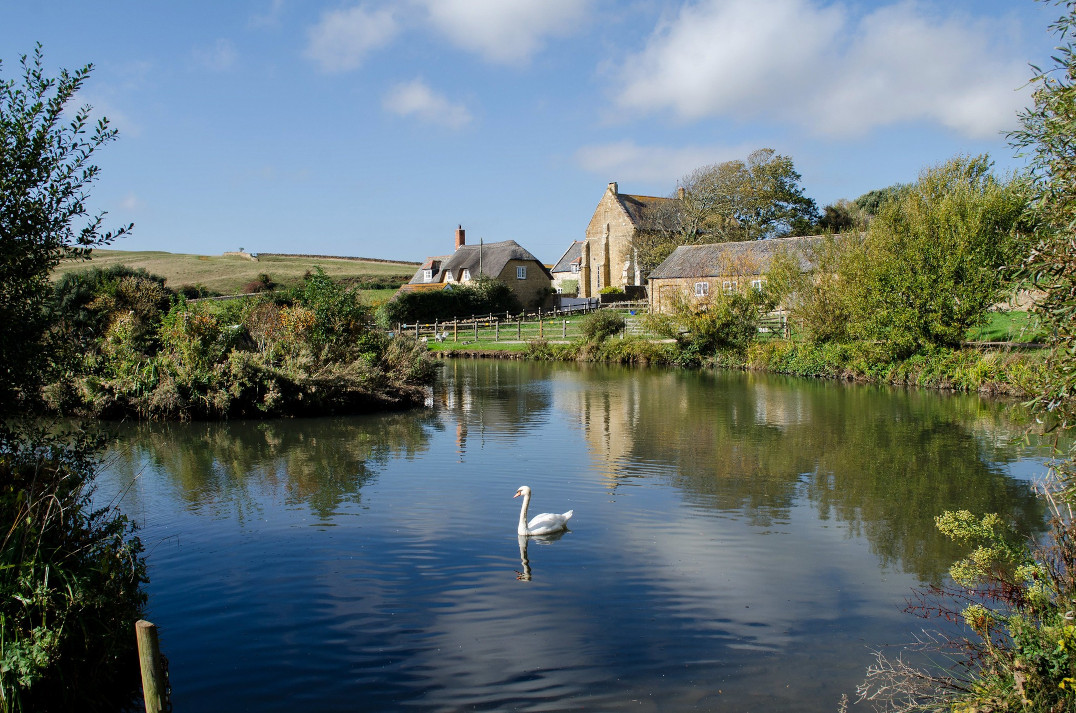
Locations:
{"points": [[488, 260], [572, 255], [644, 212], [714, 260]]}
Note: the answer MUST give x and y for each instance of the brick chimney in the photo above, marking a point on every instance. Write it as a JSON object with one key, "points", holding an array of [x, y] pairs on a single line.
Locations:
{"points": [[613, 188], [460, 237]]}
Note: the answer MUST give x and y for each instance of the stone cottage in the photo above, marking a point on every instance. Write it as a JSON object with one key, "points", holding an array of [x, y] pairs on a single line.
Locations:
{"points": [[695, 272], [507, 261], [566, 271], [607, 257]]}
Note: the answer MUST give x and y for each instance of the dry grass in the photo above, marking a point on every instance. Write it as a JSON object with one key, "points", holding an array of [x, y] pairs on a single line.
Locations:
{"points": [[228, 275]]}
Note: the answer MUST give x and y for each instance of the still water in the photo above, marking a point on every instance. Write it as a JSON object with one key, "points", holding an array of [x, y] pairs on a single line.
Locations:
{"points": [[740, 543]]}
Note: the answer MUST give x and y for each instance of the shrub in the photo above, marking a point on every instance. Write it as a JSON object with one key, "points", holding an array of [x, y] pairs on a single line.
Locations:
{"points": [[602, 324], [70, 579]]}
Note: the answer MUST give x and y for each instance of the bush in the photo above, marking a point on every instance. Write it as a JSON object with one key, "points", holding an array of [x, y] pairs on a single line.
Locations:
{"points": [[602, 324], [70, 580]]}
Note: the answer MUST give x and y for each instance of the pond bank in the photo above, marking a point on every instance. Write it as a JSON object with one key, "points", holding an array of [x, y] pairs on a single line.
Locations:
{"points": [[1010, 372]]}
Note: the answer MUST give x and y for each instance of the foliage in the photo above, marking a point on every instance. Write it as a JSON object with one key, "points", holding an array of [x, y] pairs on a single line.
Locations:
{"points": [[720, 323], [842, 216], [85, 304], [871, 202], [45, 173], [602, 324], [308, 350], [931, 263], [70, 578], [1015, 600], [612, 290], [759, 197], [482, 295], [818, 299], [1047, 130]]}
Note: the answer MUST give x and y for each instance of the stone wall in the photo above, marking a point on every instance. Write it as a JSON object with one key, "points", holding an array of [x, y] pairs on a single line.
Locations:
{"points": [[532, 291]]}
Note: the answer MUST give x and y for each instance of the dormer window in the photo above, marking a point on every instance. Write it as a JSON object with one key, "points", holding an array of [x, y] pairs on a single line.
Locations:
{"points": [[427, 275], [466, 275], [575, 267]]}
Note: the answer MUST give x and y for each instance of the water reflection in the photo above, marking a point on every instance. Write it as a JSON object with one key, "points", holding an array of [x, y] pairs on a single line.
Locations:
{"points": [[526, 575], [231, 469], [882, 462], [744, 539]]}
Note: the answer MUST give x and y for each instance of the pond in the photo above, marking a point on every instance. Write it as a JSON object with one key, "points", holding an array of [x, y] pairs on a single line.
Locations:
{"points": [[739, 543]]}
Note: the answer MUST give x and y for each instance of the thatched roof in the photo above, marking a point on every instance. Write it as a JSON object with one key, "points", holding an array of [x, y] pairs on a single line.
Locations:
{"points": [[747, 257], [488, 260]]}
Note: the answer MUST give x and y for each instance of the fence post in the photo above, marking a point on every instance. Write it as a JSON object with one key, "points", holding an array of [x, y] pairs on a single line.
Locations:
{"points": [[476, 329], [497, 331], [564, 330], [416, 329], [455, 329], [154, 686], [519, 329]]}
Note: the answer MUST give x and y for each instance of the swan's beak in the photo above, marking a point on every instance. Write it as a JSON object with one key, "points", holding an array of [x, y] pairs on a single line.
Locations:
{"points": [[518, 493]]}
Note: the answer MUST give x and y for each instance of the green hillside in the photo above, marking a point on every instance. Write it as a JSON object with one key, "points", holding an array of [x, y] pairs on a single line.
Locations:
{"points": [[229, 274]]}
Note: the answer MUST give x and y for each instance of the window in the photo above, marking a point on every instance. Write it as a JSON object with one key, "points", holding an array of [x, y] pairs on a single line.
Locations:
{"points": [[521, 272], [729, 286], [575, 267], [427, 275], [466, 275], [702, 289], [757, 284]]}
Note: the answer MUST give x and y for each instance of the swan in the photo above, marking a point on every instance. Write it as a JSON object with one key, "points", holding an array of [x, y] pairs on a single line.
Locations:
{"points": [[542, 524]]}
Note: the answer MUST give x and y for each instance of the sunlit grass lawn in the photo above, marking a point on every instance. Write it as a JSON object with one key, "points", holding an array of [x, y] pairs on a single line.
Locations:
{"points": [[1008, 327]]}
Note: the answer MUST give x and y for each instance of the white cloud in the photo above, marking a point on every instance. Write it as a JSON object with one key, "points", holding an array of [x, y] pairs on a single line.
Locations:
{"points": [[270, 17], [342, 38], [816, 64], [415, 98], [130, 203], [504, 31], [218, 57], [627, 161]]}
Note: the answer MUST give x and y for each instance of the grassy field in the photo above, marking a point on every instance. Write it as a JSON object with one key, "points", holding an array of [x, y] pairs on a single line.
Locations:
{"points": [[229, 275]]}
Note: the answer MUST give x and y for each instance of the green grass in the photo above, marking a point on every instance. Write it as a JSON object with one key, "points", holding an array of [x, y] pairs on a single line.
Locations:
{"points": [[229, 275], [1008, 327]]}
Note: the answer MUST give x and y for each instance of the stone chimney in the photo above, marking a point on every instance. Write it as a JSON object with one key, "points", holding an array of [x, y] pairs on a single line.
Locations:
{"points": [[613, 188], [680, 192], [460, 237]]}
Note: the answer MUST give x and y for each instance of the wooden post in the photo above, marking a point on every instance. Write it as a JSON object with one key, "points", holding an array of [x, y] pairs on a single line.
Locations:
{"points": [[455, 329], [564, 330], [519, 329], [416, 329], [476, 329], [541, 333], [149, 657], [497, 331]]}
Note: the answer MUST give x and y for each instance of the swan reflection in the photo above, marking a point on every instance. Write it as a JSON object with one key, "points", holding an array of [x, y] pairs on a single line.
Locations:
{"points": [[525, 575]]}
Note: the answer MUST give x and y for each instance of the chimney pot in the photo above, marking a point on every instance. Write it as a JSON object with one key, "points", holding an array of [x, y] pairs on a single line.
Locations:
{"points": [[460, 237]]}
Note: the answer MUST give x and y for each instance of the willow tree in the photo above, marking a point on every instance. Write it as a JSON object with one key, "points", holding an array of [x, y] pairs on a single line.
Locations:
{"points": [[45, 175]]}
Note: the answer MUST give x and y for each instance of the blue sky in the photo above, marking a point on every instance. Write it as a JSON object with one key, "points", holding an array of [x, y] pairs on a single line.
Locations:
{"points": [[374, 128]]}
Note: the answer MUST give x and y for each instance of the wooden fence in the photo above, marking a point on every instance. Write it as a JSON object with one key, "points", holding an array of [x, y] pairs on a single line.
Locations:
{"points": [[561, 324]]}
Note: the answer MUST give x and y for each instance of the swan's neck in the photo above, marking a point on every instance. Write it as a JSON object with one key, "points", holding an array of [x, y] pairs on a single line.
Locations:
{"points": [[522, 529]]}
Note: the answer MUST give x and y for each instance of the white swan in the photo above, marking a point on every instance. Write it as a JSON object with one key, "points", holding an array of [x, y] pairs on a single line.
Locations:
{"points": [[542, 524]]}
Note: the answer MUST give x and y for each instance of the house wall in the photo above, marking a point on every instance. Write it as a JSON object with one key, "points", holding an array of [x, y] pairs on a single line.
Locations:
{"points": [[559, 278], [665, 292], [532, 291], [608, 242]]}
